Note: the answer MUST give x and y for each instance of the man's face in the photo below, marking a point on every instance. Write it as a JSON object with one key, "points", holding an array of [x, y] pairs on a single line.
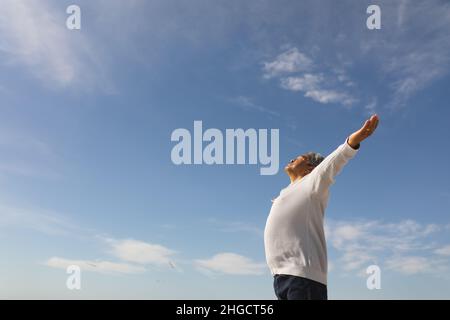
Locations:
{"points": [[299, 166]]}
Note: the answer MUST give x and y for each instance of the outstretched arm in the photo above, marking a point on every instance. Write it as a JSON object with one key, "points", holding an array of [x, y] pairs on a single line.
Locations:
{"points": [[323, 175]]}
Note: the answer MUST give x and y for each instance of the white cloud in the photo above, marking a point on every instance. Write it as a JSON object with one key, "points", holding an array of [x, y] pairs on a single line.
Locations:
{"points": [[330, 96], [409, 265], [408, 58], [404, 235], [141, 252], [307, 82], [53, 224], [342, 75], [445, 251], [107, 267], [409, 54], [316, 86], [33, 35], [355, 259], [347, 232], [231, 263], [416, 53], [135, 257], [289, 61], [403, 246]]}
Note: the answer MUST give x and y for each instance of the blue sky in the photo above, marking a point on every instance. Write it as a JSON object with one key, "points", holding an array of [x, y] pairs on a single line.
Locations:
{"points": [[86, 176]]}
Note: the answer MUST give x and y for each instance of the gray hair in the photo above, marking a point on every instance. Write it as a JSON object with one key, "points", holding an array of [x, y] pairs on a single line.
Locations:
{"points": [[314, 158]]}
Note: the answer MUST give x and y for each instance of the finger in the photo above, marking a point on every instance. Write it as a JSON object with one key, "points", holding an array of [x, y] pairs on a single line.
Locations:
{"points": [[372, 124], [375, 123], [378, 121], [368, 128], [366, 125]]}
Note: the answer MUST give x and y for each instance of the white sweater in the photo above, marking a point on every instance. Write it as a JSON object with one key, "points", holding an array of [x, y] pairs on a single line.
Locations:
{"points": [[294, 237]]}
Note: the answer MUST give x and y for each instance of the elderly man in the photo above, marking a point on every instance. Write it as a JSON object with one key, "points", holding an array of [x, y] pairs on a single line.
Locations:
{"points": [[294, 236]]}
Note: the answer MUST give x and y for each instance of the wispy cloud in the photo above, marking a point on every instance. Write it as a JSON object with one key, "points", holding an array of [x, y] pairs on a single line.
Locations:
{"points": [[406, 246], [307, 82], [401, 12], [33, 35], [247, 103], [405, 57], [99, 266], [416, 53], [371, 106], [24, 154], [410, 265], [312, 86], [44, 221], [141, 252], [133, 257], [287, 62], [342, 74], [317, 85], [230, 263], [445, 251]]}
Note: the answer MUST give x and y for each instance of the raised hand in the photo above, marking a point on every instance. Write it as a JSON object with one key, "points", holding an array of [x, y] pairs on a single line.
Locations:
{"points": [[367, 129]]}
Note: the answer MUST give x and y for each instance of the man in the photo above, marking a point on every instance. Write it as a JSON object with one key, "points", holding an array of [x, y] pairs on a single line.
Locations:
{"points": [[294, 236]]}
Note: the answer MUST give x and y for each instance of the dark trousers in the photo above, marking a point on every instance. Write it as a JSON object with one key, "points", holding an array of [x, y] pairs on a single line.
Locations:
{"points": [[288, 287]]}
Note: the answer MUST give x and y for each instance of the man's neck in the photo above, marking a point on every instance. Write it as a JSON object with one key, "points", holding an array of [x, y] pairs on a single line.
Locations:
{"points": [[295, 178]]}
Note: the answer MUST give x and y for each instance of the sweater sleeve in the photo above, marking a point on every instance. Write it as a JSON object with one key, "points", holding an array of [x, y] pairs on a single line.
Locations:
{"points": [[324, 174]]}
